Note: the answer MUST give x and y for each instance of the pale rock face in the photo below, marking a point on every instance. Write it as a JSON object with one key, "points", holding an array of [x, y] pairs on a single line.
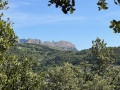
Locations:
{"points": [[34, 41], [61, 44], [47, 43], [64, 45]]}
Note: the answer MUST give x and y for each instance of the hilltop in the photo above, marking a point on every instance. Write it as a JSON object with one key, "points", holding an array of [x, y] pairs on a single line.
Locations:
{"points": [[63, 45]]}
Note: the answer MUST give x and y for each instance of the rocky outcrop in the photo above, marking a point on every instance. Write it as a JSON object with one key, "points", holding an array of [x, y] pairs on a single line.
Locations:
{"points": [[64, 45], [61, 44], [34, 41]]}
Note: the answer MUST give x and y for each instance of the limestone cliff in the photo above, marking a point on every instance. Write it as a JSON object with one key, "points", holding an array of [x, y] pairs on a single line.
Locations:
{"points": [[64, 45], [34, 41], [61, 44]]}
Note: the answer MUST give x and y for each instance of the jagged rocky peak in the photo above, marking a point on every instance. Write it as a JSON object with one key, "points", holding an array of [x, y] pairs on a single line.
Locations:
{"points": [[64, 45], [48, 43], [61, 44], [34, 41]]}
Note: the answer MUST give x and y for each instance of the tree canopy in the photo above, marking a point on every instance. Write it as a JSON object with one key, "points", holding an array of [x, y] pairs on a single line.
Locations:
{"points": [[15, 72]]}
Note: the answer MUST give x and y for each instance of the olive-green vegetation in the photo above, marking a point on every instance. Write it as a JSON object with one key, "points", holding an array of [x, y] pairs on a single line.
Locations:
{"points": [[47, 56], [90, 70], [15, 72], [50, 57], [99, 75]]}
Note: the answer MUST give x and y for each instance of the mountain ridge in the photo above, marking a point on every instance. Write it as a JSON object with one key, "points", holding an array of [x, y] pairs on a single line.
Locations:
{"points": [[63, 45]]}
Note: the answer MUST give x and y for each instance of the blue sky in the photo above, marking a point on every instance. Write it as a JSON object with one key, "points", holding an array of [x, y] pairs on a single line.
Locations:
{"points": [[34, 19]]}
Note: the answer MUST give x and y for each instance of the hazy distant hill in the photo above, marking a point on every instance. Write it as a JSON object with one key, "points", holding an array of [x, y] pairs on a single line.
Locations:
{"points": [[64, 45]]}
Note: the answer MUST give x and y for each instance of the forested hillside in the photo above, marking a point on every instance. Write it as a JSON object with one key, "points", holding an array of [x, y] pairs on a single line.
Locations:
{"points": [[52, 57], [37, 67], [48, 56]]}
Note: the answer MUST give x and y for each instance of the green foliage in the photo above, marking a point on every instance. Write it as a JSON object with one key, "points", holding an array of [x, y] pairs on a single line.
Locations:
{"points": [[85, 77], [49, 57], [116, 26], [3, 5], [102, 57], [102, 4], [7, 36], [15, 72], [67, 77], [66, 5], [117, 2]]}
